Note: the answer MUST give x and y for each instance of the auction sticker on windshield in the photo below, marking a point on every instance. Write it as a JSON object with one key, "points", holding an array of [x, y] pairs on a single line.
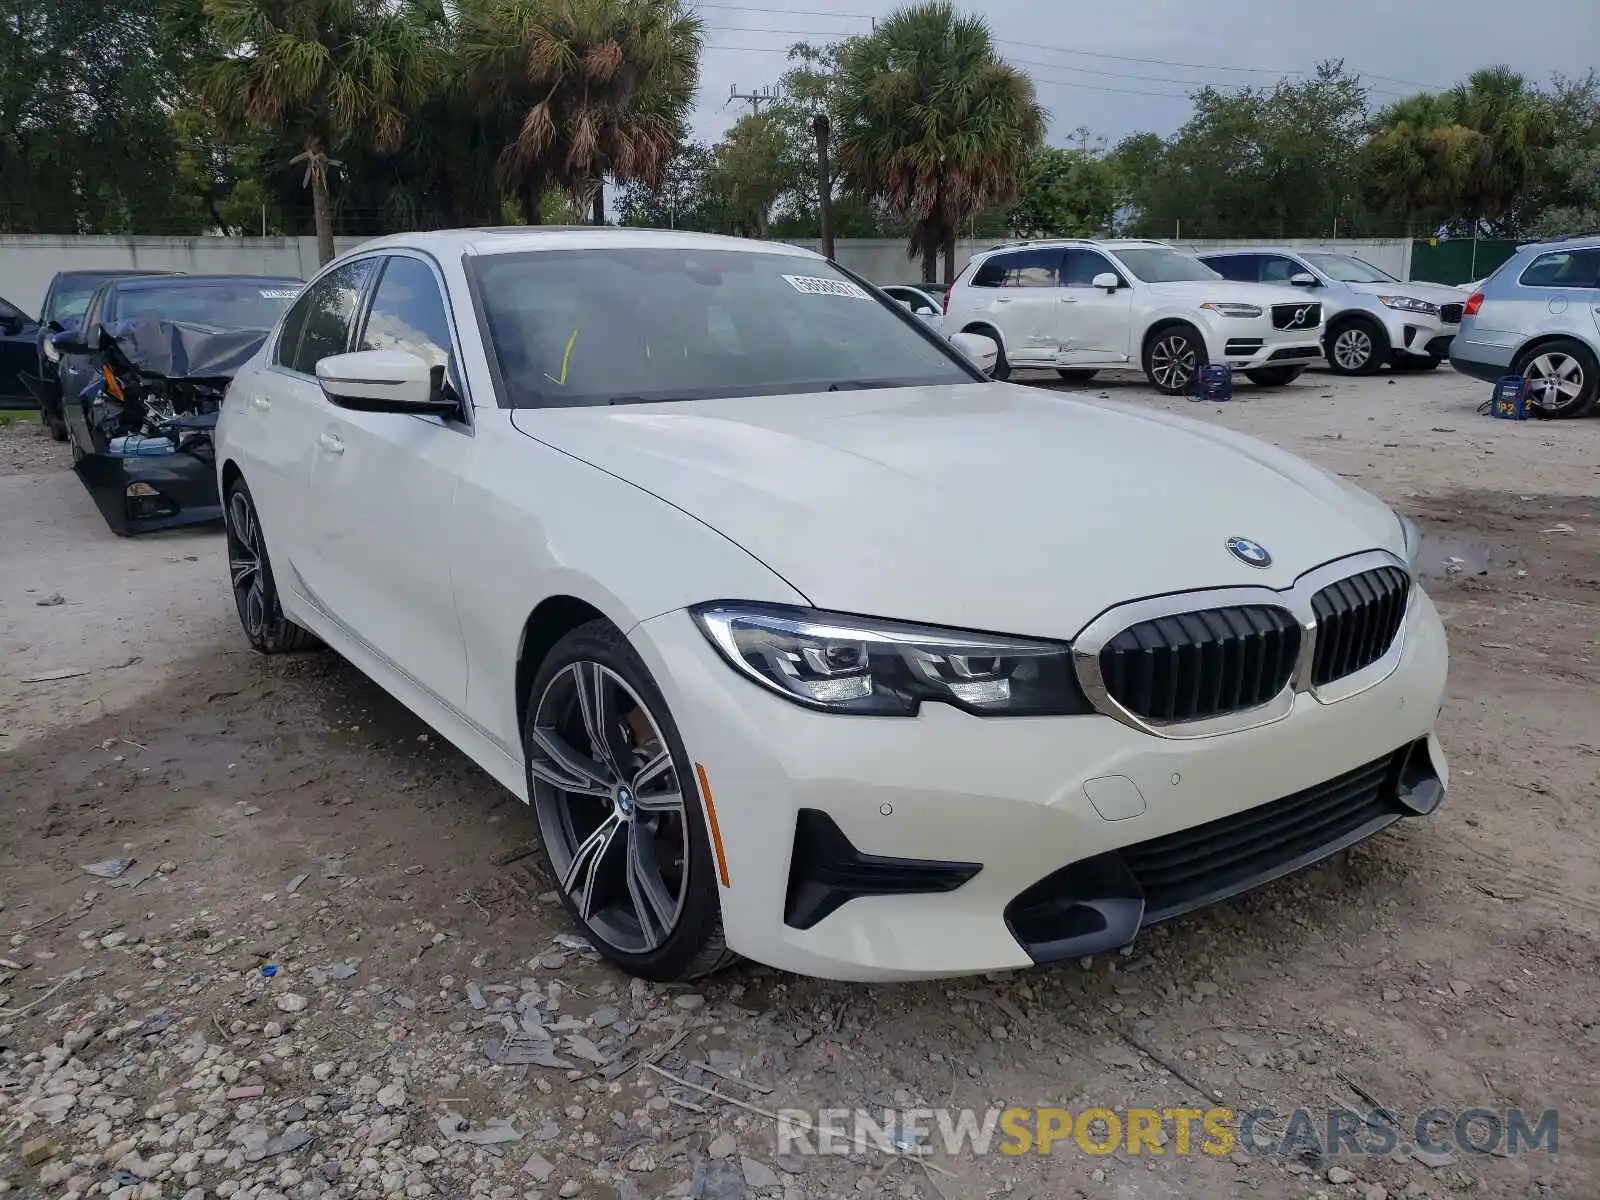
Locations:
{"points": [[279, 293], [810, 285]]}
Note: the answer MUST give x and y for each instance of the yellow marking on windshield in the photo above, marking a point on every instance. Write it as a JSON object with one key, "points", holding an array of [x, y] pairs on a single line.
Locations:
{"points": [[566, 358]]}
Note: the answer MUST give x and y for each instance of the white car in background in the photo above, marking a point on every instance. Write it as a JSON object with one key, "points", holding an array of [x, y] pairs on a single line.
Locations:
{"points": [[921, 298], [803, 639], [1080, 306], [1372, 318]]}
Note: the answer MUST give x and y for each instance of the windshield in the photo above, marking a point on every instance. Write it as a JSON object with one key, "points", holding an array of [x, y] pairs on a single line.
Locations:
{"points": [[225, 304], [69, 298], [1348, 270], [1159, 264], [573, 327]]}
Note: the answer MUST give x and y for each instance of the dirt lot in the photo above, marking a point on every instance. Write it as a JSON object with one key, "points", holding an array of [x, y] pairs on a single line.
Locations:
{"points": [[286, 814]]}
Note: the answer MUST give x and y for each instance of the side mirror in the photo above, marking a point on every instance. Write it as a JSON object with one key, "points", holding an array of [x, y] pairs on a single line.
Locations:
{"points": [[1304, 279], [386, 381], [982, 350], [68, 341], [14, 323], [1107, 280]]}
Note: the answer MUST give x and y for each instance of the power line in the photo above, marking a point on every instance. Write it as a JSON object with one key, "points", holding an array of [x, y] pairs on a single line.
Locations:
{"points": [[1076, 52]]}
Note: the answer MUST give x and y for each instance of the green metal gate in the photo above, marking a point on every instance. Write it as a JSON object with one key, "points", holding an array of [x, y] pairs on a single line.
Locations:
{"points": [[1457, 260]]}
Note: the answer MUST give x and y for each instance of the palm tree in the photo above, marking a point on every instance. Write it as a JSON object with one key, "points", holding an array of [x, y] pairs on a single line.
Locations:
{"points": [[596, 88], [1417, 159], [1515, 127], [322, 71], [932, 121]]}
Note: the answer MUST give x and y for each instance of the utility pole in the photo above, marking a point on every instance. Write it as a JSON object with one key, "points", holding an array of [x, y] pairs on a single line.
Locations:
{"points": [[821, 127], [767, 95]]}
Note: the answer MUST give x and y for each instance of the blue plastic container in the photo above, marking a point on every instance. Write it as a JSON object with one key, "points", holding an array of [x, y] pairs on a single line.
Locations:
{"points": [[1214, 381]]}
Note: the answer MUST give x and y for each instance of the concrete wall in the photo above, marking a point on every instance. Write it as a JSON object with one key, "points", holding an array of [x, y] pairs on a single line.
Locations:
{"points": [[28, 261]]}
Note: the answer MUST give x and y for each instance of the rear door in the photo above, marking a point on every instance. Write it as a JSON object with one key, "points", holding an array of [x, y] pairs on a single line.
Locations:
{"points": [[1027, 303], [19, 335], [1095, 322], [384, 485]]}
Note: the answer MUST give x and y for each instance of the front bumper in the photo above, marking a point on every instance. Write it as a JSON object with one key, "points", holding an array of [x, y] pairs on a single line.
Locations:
{"points": [[183, 483], [948, 791], [1419, 337], [1249, 345]]}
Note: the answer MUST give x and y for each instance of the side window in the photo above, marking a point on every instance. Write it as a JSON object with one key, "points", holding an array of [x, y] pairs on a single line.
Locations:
{"points": [[1275, 268], [289, 335], [1564, 269], [408, 313], [1241, 268], [1031, 269], [990, 272], [1079, 267], [330, 306]]}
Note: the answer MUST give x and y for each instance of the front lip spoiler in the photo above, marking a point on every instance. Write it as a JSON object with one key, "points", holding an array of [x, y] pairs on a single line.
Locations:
{"points": [[1101, 903]]}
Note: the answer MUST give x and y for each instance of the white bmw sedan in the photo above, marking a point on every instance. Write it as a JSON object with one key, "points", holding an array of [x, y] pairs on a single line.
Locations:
{"points": [[804, 640]]}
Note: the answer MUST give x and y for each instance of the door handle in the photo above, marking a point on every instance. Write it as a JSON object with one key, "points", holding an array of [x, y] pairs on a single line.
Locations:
{"points": [[1068, 299], [260, 402], [332, 443]]}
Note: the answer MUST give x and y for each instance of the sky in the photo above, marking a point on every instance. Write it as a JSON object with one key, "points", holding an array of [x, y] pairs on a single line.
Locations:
{"points": [[1128, 65]]}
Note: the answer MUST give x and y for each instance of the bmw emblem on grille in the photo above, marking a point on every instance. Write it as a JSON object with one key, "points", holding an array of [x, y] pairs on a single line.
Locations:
{"points": [[1251, 554]]}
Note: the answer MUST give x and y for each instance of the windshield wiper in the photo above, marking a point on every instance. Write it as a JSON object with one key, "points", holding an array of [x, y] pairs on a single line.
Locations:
{"points": [[855, 385]]}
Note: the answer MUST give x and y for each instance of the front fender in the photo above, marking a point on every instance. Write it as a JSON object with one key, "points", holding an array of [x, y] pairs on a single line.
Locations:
{"points": [[539, 523]]}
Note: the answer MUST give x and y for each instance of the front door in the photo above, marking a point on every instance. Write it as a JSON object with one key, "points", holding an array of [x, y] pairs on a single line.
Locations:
{"points": [[1095, 322], [379, 551]]}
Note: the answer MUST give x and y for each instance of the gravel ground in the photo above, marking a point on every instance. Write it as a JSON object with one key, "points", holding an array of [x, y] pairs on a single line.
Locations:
{"points": [[332, 926]]}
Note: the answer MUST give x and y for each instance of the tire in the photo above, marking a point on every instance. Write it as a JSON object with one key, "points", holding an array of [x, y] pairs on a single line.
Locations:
{"points": [[255, 594], [1002, 365], [1173, 356], [1076, 375], [1356, 346], [622, 829], [1410, 363], [58, 428], [1563, 378], [1274, 376]]}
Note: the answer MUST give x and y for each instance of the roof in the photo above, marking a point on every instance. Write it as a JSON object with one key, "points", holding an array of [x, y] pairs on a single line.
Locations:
{"points": [[110, 273], [1572, 241], [517, 239], [1065, 243], [164, 282]]}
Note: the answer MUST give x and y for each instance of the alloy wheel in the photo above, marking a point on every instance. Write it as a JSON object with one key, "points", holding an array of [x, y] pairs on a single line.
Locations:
{"points": [[1173, 362], [1555, 381], [244, 565], [1352, 349], [610, 807]]}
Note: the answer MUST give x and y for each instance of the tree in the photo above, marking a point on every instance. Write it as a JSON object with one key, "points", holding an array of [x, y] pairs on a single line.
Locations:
{"points": [[687, 198], [755, 168], [1515, 126], [1252, 162], [1417, 159], [930, 119], [325, 72], [597, 87], [1065, 193], [1567, 191]]}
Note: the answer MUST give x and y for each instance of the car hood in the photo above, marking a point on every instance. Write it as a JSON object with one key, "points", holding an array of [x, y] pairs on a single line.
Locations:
{"points": [[1434, 293], [1203, 290], [988, 506]]}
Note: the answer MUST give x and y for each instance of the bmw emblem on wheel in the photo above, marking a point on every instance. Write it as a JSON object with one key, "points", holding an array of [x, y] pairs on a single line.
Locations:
{"points": [[1251, 554]]}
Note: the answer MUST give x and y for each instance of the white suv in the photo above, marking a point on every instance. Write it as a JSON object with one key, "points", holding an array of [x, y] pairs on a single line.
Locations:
{"points": [[1080, 306]]}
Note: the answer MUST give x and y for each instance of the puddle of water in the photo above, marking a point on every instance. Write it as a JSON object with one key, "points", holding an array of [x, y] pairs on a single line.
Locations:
{"points": [[1445, 557]]}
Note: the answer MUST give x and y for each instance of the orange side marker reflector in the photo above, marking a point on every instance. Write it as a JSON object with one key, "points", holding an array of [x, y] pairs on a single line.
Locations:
{"points": [[711, 820]]}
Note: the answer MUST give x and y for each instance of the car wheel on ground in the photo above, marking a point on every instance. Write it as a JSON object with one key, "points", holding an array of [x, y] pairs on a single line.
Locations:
{"points": [[618, 808], [1356, 346], [1002, 368], [1076, 375], [1173, 356], [1410, 362], [1274, 376], [255, 594], [1563, 378]]}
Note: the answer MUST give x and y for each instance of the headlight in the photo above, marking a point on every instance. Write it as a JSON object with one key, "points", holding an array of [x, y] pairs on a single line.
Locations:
{"points": [[1412, 537], [1407, 304], [860, 665], [1227, 308], [51, 353]]}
